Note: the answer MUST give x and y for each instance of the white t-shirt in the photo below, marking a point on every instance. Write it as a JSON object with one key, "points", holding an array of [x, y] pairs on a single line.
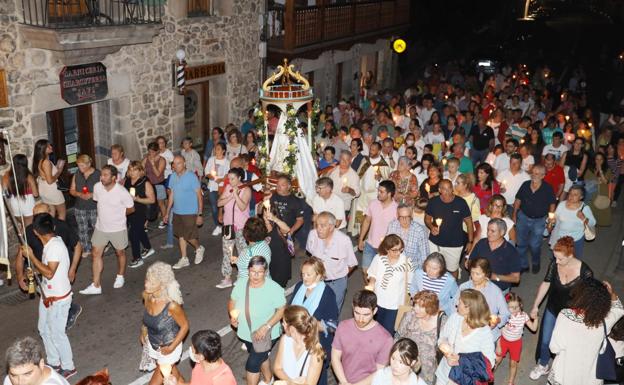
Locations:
{"points": [[557, 152], [512, 184], [383, 376], [484, 220], [53, 379], [334, 205], [220, 167], [501, 163], [111, 207], [390, 291], [527, 163], [122, 168], [432, 138], [56, 251], [168, 155]]}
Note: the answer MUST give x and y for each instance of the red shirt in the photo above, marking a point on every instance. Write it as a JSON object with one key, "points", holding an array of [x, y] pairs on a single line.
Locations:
{"points": [[555, 178], [485, 195]]}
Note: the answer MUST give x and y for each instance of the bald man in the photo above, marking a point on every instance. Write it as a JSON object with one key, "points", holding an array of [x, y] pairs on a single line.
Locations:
{"points": [[70, 238], [187, 204]]}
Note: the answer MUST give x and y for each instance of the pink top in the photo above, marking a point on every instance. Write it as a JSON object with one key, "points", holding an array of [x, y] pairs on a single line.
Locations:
{"points": [[240, 216], [515, 326], [380, 219], [220, 376], [111, 207]]}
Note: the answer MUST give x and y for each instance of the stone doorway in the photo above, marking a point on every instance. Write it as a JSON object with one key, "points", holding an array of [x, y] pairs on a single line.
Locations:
{"points": [[197, 113]]}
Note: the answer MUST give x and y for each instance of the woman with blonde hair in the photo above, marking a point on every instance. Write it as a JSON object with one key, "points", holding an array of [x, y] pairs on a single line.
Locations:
{"points": [[299, 353], [85, 208], [143, 194], [466, 331], [164, 321]]}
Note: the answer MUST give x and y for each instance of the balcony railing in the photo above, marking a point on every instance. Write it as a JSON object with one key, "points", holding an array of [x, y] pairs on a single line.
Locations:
{"points": [[91, 13], [290, 27]]}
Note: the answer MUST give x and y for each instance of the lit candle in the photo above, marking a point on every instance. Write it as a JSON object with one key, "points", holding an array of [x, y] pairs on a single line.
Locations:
{"points": [[266, 131], [368, 287], [444, 162], [562, 96], [567, 117], [447, 143], [85, 189], [165, 369], [376, 169], [213, 173], [132, 191], [590, 124], [234, 313], [521, 141], [344, 181], [438, 222], [267, 204], [504, 183], [513, 76], [551, 216], [494, 319], [427, 188]]}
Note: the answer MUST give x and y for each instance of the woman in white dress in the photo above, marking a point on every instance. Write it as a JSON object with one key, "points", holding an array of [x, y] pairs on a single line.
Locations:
{"points": [[47, 173], [580, 331], [466, 331], [300, 355]]}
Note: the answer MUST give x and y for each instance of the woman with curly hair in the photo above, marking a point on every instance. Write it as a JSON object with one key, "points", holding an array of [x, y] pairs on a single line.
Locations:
{"points": [[255, 234], [564, 273], [164, 321], [591, 314]]}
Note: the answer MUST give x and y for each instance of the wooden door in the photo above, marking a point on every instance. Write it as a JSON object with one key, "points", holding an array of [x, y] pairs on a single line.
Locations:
{"points": [[197, 113], [70, 131]]}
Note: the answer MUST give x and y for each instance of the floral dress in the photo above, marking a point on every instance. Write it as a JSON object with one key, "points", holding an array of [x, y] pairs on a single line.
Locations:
{"points": [[426, 341], [406, 188]]}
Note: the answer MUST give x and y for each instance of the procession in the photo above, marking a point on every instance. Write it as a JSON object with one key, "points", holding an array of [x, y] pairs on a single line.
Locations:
{"points": [[462, 227]]}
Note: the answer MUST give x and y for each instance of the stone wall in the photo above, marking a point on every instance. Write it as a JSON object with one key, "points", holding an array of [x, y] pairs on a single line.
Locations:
{"points": [[143, 103]]}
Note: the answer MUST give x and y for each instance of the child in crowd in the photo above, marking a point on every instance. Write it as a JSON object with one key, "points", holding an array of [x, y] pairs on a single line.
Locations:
{"points": [[491, 157], [328, 159], [419, 210], [511, 338], [452, 169]]}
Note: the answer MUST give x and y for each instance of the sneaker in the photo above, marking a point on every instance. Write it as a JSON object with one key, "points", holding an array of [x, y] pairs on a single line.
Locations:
{"points": [[224, 284], [162, 225], [199, 255], [216, 231], [71, 320], [119, 281], [1, 282], [266, 383], [57, 368], [67, 373], [91, 290], [86, 254], [136, 263], [148, 253], [244, 347], [613, 204], [538, 371], [183, 262], [166, 246]]}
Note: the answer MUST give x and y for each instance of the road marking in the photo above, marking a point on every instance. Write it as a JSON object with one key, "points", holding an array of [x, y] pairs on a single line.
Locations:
{"points": [[144, 379]]}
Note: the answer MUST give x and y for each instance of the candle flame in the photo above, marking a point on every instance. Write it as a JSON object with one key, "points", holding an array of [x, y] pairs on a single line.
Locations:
{"points": [[438, 222]]}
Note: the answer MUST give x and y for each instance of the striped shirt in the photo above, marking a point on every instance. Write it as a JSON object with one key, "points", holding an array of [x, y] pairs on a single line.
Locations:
{"points": [[435, 285], [515, 326]]}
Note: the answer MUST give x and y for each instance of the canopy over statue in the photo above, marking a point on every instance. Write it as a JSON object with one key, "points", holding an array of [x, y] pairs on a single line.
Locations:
{"points": [[290, 152]]}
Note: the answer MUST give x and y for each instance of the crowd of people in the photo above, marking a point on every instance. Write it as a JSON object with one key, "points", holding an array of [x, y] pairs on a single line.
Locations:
{"points": [[462, 172]]}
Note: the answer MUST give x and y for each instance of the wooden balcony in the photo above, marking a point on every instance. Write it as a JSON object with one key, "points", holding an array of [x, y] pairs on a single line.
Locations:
{"points": [[307, 31]]}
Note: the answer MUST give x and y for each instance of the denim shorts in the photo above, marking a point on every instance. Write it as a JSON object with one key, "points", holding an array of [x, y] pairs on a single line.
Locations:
{"points": [[368, 254], [161, 193], [255, 359]]}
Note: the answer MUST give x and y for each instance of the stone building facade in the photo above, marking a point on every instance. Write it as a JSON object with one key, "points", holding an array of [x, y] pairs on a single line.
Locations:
{"points": [[141, 102]]}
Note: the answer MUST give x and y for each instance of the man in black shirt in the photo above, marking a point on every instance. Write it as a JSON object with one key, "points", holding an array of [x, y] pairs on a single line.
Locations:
{"points": [[70, 238], [445, 216], [503, 256], [482, 138], [534, 200]]}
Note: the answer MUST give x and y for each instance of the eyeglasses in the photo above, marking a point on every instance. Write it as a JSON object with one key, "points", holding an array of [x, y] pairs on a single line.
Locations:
{"points": [[396, 250]]}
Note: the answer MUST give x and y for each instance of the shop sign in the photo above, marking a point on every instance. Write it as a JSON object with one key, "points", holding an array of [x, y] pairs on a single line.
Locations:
{"points": [[83, 83]]}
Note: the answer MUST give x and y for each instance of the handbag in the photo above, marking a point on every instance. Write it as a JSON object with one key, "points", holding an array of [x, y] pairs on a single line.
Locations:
{"points": [[608, 367], [406, 307], [229, 232], [601, 202], [263, 345], [147, 363], [439, 355], [588, 231]]}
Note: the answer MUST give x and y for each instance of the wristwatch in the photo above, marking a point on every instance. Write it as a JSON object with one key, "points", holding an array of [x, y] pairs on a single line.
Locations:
{"points": [[200, 214]]}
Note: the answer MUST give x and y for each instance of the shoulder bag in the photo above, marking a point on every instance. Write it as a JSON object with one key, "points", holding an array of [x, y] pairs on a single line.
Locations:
{"points": [[264, 345], [590, 232], [608, 367], [439, 354], [228, 230], [406, 307]]}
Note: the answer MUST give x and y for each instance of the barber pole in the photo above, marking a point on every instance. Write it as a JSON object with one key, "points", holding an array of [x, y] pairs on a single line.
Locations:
{"points": [[180, 80]]}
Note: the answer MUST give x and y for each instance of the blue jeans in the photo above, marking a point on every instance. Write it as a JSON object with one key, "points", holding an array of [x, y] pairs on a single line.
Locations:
{"points": [[478, 156], [339, 286], [386, 318], [213, 197], [578, 248], [529, 233], [170, 229], [368, 254], [546, 331], [51, 325]]}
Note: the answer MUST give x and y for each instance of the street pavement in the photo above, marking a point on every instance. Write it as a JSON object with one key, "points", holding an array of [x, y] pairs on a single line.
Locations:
{"points": [[107, 332]]}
